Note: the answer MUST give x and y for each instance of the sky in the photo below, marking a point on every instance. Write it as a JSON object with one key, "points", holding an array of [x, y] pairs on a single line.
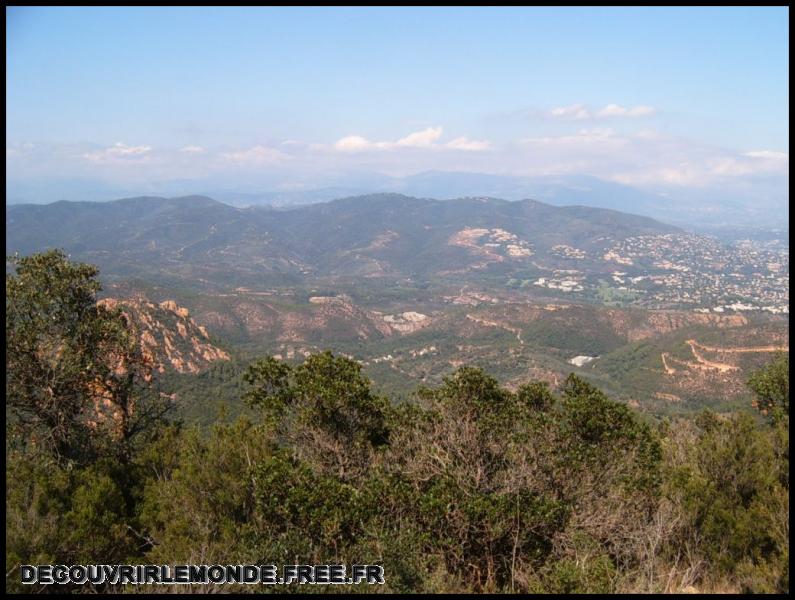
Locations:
{"points": [[298, 97]]}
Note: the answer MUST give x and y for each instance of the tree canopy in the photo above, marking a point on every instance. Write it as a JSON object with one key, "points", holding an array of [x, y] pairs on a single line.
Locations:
{"points": [[468, 486]]}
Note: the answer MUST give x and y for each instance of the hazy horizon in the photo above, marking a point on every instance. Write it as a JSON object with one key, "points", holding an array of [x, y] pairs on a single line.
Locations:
{"points": [[687, 104]]}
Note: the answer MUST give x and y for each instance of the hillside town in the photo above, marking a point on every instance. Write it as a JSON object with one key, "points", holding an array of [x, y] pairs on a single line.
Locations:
{"points": [[682, 271]]}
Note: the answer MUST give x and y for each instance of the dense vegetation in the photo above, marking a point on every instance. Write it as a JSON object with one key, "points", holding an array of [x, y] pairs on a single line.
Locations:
{"points": [[196, 242], [466, 487]]}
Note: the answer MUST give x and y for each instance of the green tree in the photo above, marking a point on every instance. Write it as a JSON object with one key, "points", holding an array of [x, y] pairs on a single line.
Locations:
{"points": [[501, 484], [74, 371], [727, 477], [324, 410], [78, 409], [771, 387]]}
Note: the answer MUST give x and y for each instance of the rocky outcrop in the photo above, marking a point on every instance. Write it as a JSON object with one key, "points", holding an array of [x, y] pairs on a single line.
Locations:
{"points": [[168, 336]]}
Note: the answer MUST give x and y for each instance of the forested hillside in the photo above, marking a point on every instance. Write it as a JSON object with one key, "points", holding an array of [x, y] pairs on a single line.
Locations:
{"points": [[384, 235], [666, 321], [466, 486]]}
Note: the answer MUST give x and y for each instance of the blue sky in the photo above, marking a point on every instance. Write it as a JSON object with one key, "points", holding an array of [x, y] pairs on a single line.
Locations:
{"points": [[675, 96]]}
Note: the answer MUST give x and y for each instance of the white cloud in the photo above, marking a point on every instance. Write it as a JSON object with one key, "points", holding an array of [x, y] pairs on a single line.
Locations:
{"points": [[645, 157], [464, 143], [703, 166], [751, 163], [684, 174], [597, 133], [256, 155], [575, 111], [353, 143], [125, 150], [118, 152], [19, 149], [615, 110], [426, 139], [768, 154], [580, 112], [421, 139], [583, 136], [647, 134]]}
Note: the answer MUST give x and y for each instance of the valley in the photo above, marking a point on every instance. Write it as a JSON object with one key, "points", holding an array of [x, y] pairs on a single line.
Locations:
{"points": [[665, 320]]}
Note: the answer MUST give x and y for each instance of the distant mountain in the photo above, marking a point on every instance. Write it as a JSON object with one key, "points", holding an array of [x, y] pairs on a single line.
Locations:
{"points": [[557, 190], [694, 208], [285, 198], [196, 238], [44, 190]]}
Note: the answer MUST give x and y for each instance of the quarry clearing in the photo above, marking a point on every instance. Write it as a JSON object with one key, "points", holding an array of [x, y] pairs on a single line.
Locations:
{"points": [[514, 330], [705, 364]]}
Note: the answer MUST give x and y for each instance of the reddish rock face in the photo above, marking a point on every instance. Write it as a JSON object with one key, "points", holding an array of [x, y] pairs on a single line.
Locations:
{"points": [[168, 336]]}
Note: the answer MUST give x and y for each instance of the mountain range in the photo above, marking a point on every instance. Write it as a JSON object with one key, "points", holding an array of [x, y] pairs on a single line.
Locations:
{"points": [[196, 238], [694, 208]]}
